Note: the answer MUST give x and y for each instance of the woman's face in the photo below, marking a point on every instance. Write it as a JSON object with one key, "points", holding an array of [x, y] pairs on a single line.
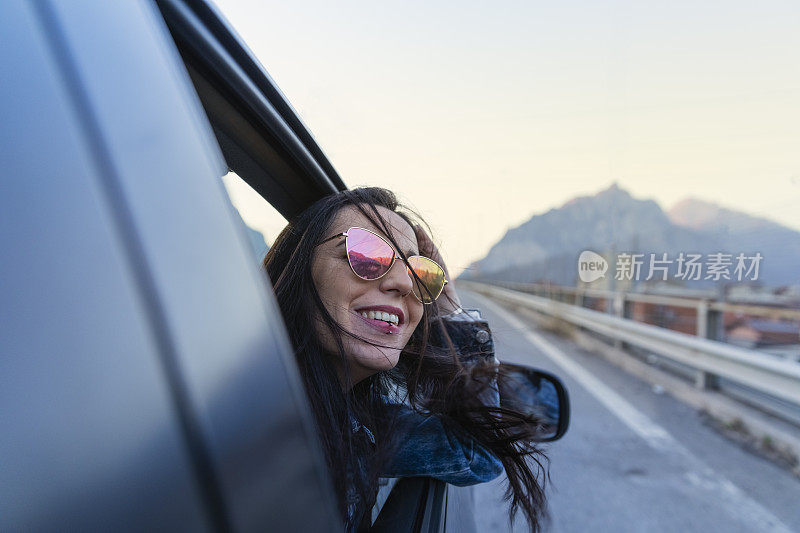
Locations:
{"points": [[346, 296]]}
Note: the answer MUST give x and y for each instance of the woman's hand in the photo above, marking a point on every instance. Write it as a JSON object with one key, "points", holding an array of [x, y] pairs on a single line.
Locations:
{"points": [[448, 301]]}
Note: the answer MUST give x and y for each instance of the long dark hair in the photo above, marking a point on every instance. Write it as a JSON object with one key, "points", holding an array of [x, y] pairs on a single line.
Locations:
{"points": [[432, 376]]}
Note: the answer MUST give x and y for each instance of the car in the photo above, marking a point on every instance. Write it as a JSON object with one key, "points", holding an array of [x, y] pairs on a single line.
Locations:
{"points": [[146, 380]]}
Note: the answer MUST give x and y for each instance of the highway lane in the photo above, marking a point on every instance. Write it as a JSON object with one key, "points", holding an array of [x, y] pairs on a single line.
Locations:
{"points": [[634, 459]]}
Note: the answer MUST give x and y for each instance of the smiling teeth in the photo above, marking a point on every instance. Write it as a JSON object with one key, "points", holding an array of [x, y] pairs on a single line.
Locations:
{"points": [[381, 315]]}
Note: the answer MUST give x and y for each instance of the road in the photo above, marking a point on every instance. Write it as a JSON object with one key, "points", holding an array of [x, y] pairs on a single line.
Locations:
{"points": [[634, 459]]}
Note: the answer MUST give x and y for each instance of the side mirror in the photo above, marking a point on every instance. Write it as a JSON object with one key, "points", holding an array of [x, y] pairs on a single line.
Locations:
{"points": [[538, 394]]}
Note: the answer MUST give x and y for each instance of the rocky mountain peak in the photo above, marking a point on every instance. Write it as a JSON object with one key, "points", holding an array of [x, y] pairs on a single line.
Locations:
{"points": [[612, 221]]}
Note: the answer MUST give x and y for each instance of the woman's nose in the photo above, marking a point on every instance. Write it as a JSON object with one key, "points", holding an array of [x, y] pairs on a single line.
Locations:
{"points": [[397, 279]]}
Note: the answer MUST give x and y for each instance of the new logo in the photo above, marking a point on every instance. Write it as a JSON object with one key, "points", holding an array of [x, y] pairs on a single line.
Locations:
{"points": [[591, 266]]}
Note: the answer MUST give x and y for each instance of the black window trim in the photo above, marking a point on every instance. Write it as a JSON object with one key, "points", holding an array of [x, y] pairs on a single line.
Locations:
{"points": [[262, 137]]}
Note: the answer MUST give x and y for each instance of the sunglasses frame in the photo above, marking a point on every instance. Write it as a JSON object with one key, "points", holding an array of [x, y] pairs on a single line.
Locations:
{"points": [[395, 255]]}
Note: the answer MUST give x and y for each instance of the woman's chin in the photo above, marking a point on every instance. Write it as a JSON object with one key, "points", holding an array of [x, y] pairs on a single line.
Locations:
{"points": [[374, 360]]}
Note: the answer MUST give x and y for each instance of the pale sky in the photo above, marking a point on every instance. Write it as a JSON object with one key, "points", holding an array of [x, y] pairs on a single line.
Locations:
{"points": [[482, 114]]}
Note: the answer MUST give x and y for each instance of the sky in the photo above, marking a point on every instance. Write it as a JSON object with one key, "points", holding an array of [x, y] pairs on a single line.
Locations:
{"points": [[480, 115]]}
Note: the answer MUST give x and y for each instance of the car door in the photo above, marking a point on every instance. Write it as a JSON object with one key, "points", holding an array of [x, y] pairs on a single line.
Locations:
{"points": [[146, 381]]}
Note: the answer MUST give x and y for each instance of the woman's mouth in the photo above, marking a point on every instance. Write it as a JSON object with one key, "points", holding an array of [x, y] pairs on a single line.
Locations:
{"points": [[391, 318], [383, 321]]}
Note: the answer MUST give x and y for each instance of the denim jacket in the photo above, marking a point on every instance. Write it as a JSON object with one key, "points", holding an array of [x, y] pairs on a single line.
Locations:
{"points": [[430, 448]]}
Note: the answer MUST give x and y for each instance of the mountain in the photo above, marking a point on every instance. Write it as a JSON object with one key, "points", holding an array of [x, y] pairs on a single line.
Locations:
{"points": [[257, 242], [734, 230], [708, 217], [546, 247]]}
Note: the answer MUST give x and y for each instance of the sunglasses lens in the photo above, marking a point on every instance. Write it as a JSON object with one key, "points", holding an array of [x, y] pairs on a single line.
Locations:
{"points": [[430, 274], [369, 255]]}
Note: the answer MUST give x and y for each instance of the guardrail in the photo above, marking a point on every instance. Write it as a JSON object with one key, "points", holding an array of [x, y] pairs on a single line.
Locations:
{"points": [[556, 291], [708, 311], [778, 378]]}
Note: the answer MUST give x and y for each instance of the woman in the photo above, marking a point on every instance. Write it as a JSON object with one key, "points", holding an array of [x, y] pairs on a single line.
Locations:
{"points": [[402, 382]]}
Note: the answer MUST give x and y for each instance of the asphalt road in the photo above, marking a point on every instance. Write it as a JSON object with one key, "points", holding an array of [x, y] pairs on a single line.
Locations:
{"points": [[633, 459]]}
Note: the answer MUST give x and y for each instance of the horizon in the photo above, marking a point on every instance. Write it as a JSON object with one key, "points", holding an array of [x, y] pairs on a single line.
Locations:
{"points": [[664, 209]]}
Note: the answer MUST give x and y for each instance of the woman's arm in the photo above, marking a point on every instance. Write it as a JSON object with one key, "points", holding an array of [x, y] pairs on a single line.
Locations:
{"points": [[429, 448], [472, 339]]}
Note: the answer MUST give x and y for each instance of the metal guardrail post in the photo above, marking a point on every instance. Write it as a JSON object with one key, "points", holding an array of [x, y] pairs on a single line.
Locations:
{"points": [[716, 329], [708, 322], [618, 308], [702, 319]]}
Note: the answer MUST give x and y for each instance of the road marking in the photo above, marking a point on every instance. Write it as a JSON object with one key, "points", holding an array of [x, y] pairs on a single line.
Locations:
{"points": [[697, 474]]}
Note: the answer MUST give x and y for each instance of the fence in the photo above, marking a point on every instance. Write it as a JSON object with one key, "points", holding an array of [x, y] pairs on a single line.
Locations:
{"points": [[711, 359]]}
